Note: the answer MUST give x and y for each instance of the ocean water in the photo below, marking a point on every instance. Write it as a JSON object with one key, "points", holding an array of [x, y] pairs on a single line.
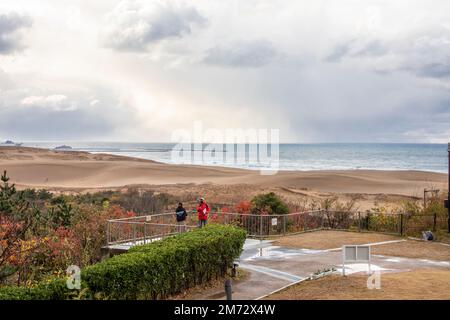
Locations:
{"points": [[378, 156]]}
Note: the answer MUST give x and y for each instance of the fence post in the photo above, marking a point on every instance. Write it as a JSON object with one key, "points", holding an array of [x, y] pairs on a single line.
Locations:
{"points": [[359, 221], [434, 222], [228, 289], [260, 226], [134, 233], [401, 224], [145, 232], [284, 225], [108, 233]]}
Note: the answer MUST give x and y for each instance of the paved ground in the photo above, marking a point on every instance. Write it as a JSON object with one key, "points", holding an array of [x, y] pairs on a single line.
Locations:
{"points": [[273, 267]]}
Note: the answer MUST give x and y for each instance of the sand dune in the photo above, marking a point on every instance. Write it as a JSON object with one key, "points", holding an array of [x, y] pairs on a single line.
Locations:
{"points": [[33, 167]]}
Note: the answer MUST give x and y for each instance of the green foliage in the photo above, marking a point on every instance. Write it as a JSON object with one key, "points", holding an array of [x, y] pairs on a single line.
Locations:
{"points": [[435, 207], [61, 214], [411, 207], [269, 203], [383, 222], [12, 203], [51, 289], [36, 195], [168, 266]]}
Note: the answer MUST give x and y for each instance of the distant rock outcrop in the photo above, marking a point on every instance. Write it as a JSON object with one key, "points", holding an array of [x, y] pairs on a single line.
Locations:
{"points": [[63, 147]]}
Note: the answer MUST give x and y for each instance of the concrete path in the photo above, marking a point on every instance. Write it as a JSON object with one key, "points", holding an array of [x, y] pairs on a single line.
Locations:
{"points": [[272, 267]]}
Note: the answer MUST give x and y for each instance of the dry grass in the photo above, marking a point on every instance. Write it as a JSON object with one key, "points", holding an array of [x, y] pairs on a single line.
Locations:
{"points": [[328, 239], [419, 284], [415, 249]]}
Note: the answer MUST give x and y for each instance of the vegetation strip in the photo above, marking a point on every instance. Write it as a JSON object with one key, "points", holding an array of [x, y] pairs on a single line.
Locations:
{"points": [[151, 271]]}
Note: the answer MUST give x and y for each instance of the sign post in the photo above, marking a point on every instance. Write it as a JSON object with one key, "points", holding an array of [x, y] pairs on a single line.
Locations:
{"points": [[356, 253]]}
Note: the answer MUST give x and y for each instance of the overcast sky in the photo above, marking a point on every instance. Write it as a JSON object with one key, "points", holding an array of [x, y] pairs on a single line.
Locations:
{"points": [[320, 71]]}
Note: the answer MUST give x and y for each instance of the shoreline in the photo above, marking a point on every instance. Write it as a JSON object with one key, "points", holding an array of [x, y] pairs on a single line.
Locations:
{"points": [[299, 158], [80, 169], [250, 169], [75, 172]]}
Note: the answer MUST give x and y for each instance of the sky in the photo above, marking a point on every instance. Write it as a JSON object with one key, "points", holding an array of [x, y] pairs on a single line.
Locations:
{"points": [[319, 71]]}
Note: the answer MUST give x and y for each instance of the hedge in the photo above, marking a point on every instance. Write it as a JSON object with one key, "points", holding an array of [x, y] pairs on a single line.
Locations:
{"points": [[51, 289], [150, 271], [167, 267]]}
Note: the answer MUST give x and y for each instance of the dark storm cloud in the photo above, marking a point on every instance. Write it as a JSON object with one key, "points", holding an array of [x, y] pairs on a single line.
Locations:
{"points": [[10, 26], [251, 54], [133, 27]]}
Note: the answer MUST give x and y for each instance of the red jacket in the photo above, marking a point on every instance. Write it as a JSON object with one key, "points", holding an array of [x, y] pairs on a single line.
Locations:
{"points": [[203, 211]]}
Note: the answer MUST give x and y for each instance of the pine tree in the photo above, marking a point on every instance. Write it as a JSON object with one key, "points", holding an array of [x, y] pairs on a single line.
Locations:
{"points": [[7, 192], [12, 202]]}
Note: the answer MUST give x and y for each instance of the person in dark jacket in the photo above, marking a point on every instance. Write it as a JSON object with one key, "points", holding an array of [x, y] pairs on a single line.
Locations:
{"points": [[181, 215]]}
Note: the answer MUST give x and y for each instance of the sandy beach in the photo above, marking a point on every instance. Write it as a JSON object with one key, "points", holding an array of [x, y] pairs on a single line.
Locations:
{"points": [[81, 171]]}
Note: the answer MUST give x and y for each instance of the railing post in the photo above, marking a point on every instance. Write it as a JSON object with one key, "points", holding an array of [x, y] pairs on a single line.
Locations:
{"points": [[145, 232], [284, 225], [108, 232], [260, 226], [359, 221], [401, 224], [134, 233]]}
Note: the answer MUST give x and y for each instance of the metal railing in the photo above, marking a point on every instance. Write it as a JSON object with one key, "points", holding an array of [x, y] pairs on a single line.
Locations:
{"points": [[145, 229]]}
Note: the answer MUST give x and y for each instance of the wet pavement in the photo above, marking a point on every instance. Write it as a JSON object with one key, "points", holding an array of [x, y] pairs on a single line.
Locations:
{"points": [[273, 267]]}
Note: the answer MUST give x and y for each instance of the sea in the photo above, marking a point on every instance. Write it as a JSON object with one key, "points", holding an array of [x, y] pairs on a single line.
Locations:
{"points": [[320, 156]]}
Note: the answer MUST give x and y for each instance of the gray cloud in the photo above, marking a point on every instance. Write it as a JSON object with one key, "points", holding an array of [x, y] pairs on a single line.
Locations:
{"points": [[425, 54], [356, 48], [339, 52], [252, 54], [10, 26], [32, 113], [134, 26], [435, 70]]}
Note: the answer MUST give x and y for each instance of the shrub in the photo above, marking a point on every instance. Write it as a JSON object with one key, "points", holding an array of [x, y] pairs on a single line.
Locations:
{"points": [[269, 203], [168, 266], [51, 289]]}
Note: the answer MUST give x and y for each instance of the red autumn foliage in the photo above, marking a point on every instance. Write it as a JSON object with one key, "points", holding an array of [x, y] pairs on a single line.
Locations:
{"points": [[244, 207]]}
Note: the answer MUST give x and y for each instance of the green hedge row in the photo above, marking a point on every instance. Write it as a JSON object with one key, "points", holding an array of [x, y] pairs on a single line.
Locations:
{"points": [[52, 289], [167, 267]]}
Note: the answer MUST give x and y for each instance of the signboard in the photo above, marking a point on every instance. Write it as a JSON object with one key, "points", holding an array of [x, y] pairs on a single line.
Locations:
{"points": [[274, 221], [355, 253]]}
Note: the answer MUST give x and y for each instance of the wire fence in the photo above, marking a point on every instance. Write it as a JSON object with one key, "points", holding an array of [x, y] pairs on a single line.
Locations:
{"points": [[145, 229]]}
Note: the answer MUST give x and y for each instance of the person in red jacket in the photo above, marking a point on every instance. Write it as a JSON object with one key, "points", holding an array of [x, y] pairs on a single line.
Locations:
{"points": [[203, 212]]}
